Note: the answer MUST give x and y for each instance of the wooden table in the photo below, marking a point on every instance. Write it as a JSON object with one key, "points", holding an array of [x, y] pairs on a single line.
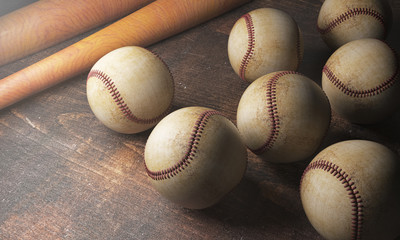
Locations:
{"points": [[63, 175]]}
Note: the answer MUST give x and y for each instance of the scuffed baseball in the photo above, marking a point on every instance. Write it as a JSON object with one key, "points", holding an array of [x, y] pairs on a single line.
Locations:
{"points": [[340, 22], [351, 190], [283, 116], [194, 157], [262, 41], [130, 89], [361, 80]]}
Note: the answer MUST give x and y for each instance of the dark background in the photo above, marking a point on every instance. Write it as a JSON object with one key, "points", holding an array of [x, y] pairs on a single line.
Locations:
{"points": [[63, 175]]}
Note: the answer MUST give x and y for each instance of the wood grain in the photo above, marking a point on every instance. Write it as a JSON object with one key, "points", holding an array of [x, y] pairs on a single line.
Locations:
{"points": [[155, 22], [48, 22], [63, 175]]}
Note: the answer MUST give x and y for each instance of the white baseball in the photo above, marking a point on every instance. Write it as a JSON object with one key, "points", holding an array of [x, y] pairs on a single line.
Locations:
{"points": [[130, 89], [361, 80], [195, 156], [262, 41], [283, 116], [351, 190], [340, 22]]}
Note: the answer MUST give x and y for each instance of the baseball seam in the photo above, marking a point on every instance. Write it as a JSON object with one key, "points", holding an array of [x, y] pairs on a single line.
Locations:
{"points": [[359, 93], [351, 13], [190, 152], [349, 185], [116, 95], [272, 112], [250, 45]]}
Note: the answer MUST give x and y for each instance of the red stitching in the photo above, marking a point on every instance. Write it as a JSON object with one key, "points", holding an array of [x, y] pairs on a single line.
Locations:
{"points": [[250, 46], [351, 13], [115, 94], [359, 93], [191, 150], [272, 111], [349, 185]]}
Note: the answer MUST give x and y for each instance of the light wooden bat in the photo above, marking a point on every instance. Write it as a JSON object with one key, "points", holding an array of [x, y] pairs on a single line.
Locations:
{"points": [[48, 22], [152, 23]]}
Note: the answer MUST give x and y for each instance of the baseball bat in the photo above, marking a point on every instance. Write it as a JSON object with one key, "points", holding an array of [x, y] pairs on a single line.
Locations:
{"points": [[48, 22], [152, 23]]}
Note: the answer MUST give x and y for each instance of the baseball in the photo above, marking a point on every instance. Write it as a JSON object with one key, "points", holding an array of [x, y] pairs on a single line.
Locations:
{"points": [[130, 89], [361, 81], [283, 116], [262, 41], [340, 22], [194, 157], [351, 190]]}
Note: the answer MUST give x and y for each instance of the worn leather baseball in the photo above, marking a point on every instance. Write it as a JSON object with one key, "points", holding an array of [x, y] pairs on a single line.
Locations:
{"points": [[262, 41], [195, 156], [340, 21], [283, 116], [361, 80], [130, 89], [351, 190]]}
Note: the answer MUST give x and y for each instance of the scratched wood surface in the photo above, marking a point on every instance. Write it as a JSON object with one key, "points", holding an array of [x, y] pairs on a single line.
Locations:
{"points": [[63, 175]]}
